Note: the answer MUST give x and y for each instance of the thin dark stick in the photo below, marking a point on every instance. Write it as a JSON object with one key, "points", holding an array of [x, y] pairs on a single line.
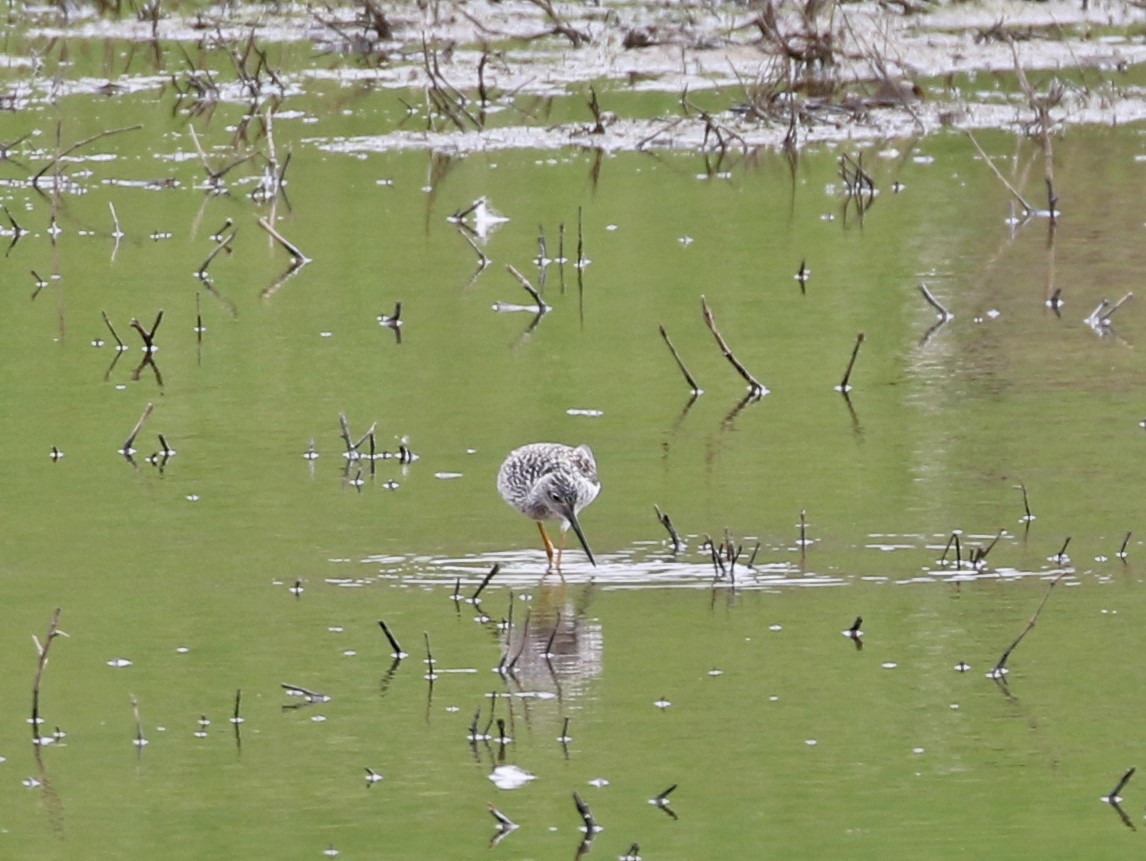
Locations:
{"points": [[755, 388], [666, 522], [41, 662], [1062, 553], [843, 386], [429, 657], [693, 384], [127, 449], [981, 553], [223, 243], [552, 636], [944, 314], [521, 648], [1001, 667], [802, 276], [119, 344], [1028, 517], [586, 814], [397, 653], [235, 718], [485, 581], [950, 541], [1125, 779], [803, 527], [76, 146], [580, 264], [1122, 550]]}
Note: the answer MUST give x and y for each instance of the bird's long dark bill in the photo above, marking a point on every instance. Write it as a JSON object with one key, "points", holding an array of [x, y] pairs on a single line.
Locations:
{"points": [[572, 516]]}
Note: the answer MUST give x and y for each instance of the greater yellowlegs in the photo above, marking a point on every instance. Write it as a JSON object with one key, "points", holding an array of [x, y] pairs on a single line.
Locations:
{"points": [[551, 481]]}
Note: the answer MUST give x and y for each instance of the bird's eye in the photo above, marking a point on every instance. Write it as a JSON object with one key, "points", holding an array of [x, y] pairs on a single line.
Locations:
{"points": [[555, 496]]}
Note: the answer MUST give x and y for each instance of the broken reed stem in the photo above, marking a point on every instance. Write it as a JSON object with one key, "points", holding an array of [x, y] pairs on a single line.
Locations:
{"points": [[1026, 503], [429, 654], [580, 242], [1027, 208], [1001, 665], [393, 641], [1122, 781], [127, 449], [1122, 549], [291, 249], [41, 662], [755, 388], [111, 329], [1041, 107], [1109, 312], [944, 314], [666, 522], [541, 306], [223, 243], [586, 815], [693, 384], [843, 386], [104, 134], [982, 553], [1062, 552], [483, 261], [117, 233], [485, 581], [549, 643], [344, 425], [139, 739], [369, 435]]}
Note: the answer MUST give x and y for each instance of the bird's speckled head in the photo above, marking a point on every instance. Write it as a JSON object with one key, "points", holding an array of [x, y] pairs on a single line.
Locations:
{"points": [[559, 493]]}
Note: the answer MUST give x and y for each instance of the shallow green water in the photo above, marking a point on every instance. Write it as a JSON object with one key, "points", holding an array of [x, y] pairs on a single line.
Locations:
{"points": [[780, 734]]}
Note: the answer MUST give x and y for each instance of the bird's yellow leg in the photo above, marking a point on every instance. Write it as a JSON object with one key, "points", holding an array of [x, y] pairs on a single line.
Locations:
{"points": [[560, 549], [548, 544]]}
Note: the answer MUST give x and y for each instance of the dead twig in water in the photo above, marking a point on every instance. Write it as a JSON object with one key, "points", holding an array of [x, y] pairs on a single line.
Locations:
{"points": [[148, 336], [542, 308], [1027, 208], [693, 384], [1114, 797], [222, 244], [140, 741], [666, 522], [78, 145], [485, 582], [1000, 669], [41, 662], [756, 389], [397, 653], [297, 256], [1027, 517], [944, 314], [843, 386], [1041, 105], [127, 450]]}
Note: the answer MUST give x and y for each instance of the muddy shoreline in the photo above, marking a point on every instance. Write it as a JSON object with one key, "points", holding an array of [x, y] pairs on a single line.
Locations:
{"points": [[748, 75]]}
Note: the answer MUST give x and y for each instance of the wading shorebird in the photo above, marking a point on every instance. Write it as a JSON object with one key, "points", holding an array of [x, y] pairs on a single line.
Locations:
{"points": [[551, 481]]}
